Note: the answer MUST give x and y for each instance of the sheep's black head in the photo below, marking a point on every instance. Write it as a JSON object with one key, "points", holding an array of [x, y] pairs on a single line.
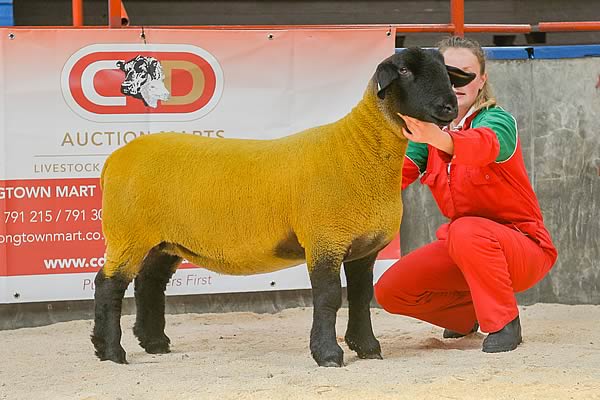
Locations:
{"points": [[417, 83]]}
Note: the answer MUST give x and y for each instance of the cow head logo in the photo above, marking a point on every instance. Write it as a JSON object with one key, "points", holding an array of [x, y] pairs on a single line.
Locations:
{"points": [[144, 80]]}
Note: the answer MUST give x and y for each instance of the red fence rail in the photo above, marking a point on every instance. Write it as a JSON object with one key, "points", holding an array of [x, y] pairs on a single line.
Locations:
{"points": [[117, 17], [568, 26]]}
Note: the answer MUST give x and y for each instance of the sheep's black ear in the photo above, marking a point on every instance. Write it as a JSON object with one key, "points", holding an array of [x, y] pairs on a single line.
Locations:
{"points": [[458, 77], [386, 73]]}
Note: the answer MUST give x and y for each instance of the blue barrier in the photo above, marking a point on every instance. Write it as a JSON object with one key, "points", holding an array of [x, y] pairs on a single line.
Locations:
{"points": [[6, 13], [579, 51], [539, 52]]}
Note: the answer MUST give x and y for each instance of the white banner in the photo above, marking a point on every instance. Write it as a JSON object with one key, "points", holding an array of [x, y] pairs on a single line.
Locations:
{"points": [[71, 97]]}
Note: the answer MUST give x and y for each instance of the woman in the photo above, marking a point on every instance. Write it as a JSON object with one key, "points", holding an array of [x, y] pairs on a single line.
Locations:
{"points": [[495, 243]]}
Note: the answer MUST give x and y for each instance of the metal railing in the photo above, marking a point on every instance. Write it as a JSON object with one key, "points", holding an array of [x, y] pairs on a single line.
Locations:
{"points": [[117, 17]]}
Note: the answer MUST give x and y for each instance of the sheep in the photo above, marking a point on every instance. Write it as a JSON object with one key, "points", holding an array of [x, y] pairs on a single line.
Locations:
{"points": [[325, 196]]}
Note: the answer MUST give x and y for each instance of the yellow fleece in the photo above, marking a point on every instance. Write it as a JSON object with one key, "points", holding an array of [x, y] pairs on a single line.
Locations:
{"points": [[227, 204]]}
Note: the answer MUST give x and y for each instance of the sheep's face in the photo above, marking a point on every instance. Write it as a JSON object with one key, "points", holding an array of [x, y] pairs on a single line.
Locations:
{"points": [[417, 83]]}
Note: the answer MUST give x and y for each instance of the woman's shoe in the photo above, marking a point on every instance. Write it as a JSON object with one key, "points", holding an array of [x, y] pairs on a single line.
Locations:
{"points": [[506, 339], [449, 334]]}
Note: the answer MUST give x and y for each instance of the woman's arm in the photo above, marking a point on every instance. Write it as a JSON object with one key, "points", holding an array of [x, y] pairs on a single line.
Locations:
{"points": [[426, 132], [493, 137]]}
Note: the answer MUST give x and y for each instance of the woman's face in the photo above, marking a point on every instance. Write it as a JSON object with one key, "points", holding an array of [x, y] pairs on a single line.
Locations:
{"points": [[467, 61]]}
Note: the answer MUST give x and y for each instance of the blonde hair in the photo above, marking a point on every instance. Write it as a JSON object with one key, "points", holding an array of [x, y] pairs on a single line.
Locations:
{"points": [[485, 98]]}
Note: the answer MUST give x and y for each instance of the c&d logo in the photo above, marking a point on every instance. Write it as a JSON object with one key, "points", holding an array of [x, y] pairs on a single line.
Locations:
{"points": [[130, 82]]}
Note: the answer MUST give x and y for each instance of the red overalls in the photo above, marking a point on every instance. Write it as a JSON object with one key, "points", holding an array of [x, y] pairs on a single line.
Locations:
{"points": [[494, 245]]}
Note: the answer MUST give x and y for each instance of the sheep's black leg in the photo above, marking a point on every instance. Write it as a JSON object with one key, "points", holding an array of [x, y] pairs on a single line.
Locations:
{"points": [[108, 298], [150, 285], [327, 299], [359, 335]]}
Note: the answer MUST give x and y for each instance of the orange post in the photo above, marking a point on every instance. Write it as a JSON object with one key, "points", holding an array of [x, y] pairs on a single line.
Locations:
{"points": [[77, 7], [457, 16], [124, 16], [114, 13]]}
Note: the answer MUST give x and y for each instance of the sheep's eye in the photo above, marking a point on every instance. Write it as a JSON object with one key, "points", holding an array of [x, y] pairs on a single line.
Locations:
{"points": [[403, 70]]}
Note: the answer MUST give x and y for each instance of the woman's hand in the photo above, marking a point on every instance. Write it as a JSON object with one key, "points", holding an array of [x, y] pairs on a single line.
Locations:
{"points": [[427, 132]]}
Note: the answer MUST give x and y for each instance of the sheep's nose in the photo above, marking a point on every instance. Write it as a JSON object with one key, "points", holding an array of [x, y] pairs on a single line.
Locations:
{"points": [[445, 108], [448, 109]]}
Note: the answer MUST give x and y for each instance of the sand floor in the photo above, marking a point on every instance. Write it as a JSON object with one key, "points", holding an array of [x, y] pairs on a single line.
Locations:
{"points": [[266, 356]]}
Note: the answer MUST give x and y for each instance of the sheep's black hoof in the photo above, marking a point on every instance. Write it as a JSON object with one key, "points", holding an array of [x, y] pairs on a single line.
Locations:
{"points": [[157, 347], [332, 358], [367, 349], [117, 355], [370, 356], [330, 364]]}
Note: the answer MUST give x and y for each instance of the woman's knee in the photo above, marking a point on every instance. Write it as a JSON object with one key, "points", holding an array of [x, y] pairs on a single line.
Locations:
{"points": [[390, 297], [399, 299], [465, 234]]}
